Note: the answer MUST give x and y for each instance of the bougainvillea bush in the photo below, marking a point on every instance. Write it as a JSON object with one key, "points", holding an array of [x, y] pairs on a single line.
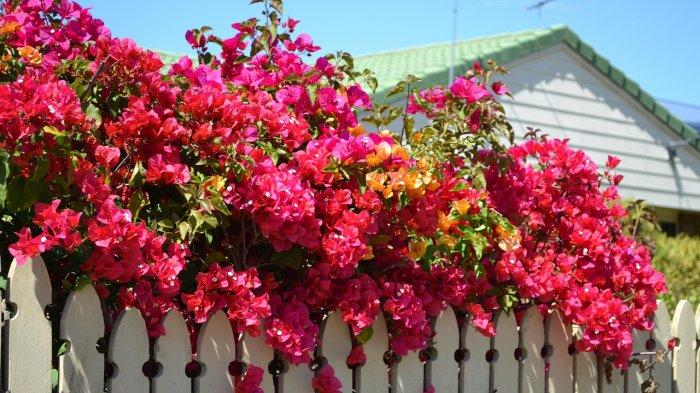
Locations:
{"points": [[245, 181]]}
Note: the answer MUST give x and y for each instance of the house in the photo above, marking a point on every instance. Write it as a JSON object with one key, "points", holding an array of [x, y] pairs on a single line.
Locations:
{"points": [[562, 86]]}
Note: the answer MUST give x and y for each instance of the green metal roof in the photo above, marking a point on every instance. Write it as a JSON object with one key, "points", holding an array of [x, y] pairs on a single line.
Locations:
{"points": [[431, 63]]}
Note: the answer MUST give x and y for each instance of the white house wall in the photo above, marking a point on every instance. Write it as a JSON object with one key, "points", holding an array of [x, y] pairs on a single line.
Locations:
{"points": [[556, 91]]}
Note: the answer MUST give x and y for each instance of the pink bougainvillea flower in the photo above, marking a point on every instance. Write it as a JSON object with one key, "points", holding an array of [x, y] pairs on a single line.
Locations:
{"points": [[468, 89], [325, 381], [499, 88]]}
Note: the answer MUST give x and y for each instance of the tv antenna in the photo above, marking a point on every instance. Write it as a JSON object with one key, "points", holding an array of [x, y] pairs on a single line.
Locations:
{"points": [[538, 6]]}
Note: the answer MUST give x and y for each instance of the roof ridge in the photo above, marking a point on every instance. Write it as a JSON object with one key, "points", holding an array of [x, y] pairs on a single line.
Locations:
{"points": [[463, 40]]}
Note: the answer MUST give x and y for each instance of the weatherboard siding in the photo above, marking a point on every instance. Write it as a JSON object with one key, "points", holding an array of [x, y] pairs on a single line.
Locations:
{"points": [[565, 97]]}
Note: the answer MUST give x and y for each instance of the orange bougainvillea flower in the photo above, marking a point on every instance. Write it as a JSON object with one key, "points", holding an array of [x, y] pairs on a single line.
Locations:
{"points": [[462, 206], [357, 130], [30, 54], [398, 151], [375, 181], [8, 28], [445, 222], [417, 248], [447, 240], [509, 240], [382, 152]]}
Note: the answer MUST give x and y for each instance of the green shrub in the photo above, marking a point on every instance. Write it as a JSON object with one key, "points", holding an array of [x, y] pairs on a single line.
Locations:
{"points": [[678, 258]]}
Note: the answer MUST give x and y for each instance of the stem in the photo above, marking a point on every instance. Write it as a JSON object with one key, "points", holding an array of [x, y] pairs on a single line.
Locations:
{"points": [[99, 70], [405, 112]]}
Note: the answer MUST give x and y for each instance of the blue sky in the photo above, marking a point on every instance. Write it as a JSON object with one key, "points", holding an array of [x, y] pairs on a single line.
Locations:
{"points": [[655, 43]]}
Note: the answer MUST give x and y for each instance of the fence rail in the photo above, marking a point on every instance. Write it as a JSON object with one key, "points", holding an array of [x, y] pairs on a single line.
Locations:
{"points": [[535, 357]]}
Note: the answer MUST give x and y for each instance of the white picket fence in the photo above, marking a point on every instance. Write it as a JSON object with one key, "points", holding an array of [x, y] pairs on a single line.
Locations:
{"points": [[536, 357]]}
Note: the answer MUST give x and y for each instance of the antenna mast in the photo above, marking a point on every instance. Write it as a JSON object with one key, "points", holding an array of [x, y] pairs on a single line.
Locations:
{"points": [[455, 11]]}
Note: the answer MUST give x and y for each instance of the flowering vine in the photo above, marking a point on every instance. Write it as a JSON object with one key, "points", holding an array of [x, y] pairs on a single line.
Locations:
{"points": [[248, 182]]}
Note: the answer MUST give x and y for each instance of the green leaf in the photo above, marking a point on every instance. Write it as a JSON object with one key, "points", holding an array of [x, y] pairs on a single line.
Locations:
{"points": [[3, 283], [459, 187], [218, 202], [291, 258], [54, 378], [198, 220], [184, 229], [63, 349], [94, 113], [399, 88], [137, 202], [214, 257], [23, 193], [137, 175], [277, 5], [365, 335], [166, 224], [4, 176], [41, 169], [82, 282], [188, 190]]}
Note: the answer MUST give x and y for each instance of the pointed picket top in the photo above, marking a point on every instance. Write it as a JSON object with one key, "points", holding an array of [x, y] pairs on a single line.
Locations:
{"points": [[128, 350], [504, 368], [561, 363], [257, 353], [662, 333], [81, 369], [683, 330], [635, 377], [29, 332], [475, 367], [336, 346], [216, 349], [173, 351], [374, 375], [532, 341], [444, 369]]}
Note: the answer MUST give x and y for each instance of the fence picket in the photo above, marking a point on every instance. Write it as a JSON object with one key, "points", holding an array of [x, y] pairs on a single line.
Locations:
{"points": [[173, 351], [586, 372], [336, 346], [662, 333], [444, 369], [532, 341], [81, 369], [561, 363], [504, 368], [374, 375], [29, 349], [257, 353], [684, 355], [697, 350], [475, 368], [616, 383], [128, 350], [635, 377], [409, 374], [298, 379], [216, 349]]}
